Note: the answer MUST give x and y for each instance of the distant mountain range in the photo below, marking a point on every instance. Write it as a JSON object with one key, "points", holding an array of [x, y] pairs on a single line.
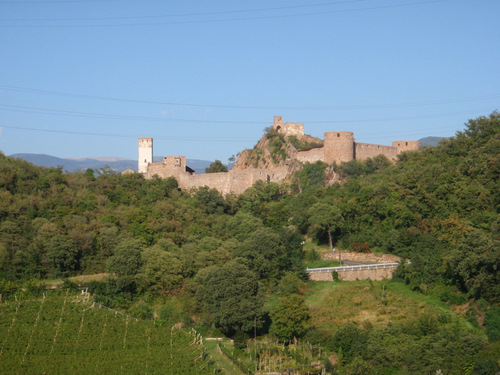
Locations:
{"points": [[121, 164], [116, 164]]}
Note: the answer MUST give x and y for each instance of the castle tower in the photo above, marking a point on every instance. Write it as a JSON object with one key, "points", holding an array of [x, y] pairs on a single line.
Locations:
{"points": [[288, 128], [145, 154], [403, 146], [278, 123], [338, 146]]}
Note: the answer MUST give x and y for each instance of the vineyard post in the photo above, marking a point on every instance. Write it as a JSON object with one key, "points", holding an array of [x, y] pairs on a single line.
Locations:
{"points": [[255, 340]]}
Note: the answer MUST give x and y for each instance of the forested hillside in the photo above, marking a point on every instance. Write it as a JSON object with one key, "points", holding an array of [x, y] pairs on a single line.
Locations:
{"points": [[236, 264]]}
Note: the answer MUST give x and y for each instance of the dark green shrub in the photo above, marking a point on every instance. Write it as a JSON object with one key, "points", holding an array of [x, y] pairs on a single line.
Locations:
{"points": [[492, 323], [141, 311]]}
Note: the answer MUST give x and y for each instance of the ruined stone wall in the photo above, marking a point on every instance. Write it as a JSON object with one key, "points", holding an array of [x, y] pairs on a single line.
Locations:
{"points": [[243, 179], [218, 181], [311, 156], [232, 182], [288, 128], [403, 146], [361, 257], [365, 151], [170, 166], [376, 274], [293, 128], [338, 147]]}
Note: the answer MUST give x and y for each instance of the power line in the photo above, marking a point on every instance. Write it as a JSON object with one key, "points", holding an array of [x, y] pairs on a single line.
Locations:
{"points": [[46, 111], [54, 2], [117, 135], [231, 19], [275, 107], [185, 14]]}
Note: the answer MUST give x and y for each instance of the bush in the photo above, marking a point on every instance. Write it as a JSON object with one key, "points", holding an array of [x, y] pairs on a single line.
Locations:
{"points": [[492, 323], [485, 367], [335, 276], [141, 311], [453, 298], [312, 255]]}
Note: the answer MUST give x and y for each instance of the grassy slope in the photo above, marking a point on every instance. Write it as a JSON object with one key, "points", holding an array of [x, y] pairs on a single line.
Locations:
{"points": [[368, 303]]}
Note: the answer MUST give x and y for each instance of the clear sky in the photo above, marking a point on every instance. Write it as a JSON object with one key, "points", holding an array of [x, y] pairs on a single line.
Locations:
{"points": [[86, 78]]}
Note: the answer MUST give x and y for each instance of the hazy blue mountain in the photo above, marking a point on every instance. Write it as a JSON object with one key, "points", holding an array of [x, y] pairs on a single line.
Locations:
{"points": [[117, 164], [430, 141]]}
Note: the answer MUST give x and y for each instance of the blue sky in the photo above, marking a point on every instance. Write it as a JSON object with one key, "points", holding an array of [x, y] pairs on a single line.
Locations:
{"points": [[84, 78]]}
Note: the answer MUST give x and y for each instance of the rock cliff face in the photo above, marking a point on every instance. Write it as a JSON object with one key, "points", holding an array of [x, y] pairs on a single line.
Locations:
{"points": [[274, 150]]}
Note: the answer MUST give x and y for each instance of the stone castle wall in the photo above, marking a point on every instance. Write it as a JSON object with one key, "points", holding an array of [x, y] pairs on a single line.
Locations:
{"points": [[403, 146], [170, 166], [288, 128], [338, 146], [232, 182], [365, 151], [311, 156]]}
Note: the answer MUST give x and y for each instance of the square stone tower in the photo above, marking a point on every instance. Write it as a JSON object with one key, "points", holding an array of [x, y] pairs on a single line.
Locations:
{"points": [[145, 154]]}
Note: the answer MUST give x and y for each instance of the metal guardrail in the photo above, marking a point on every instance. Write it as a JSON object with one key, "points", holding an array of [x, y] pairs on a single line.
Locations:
{"points": [[353, 268]]}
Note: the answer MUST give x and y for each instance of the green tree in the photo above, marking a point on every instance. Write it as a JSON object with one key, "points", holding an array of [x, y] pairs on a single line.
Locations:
{"points": [[351, 340], [127, 258], [474, 266], [325, 218], [161, 271], [215, 167], [210, 200], [243, 225], [62, 254], [230, 296], [290, 318], [265, 253]]}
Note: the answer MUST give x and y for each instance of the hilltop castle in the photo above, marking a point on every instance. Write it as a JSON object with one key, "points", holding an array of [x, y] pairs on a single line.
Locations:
{"points": [[338, 146]]}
